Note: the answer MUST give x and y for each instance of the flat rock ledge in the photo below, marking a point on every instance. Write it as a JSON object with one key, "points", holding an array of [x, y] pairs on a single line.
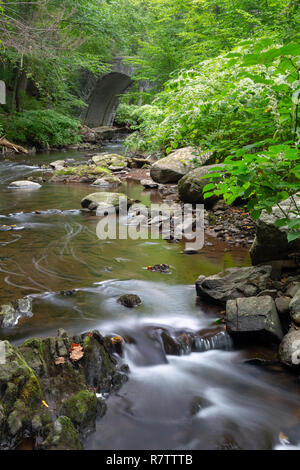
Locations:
{"points": [[52, 395], [234, 283]]}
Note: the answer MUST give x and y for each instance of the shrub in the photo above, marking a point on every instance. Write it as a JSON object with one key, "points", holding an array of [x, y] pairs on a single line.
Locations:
{"points": [[41, 128]]}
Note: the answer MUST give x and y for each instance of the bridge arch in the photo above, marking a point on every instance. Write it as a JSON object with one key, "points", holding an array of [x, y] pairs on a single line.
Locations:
{"points": [[104, 98], [102, 94]]}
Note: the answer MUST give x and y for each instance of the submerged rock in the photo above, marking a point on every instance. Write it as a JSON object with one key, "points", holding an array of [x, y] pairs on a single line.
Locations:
{"points": [[271, 242], [190, 187], [159, 268], [173, 167], [289, 350], [130, 300], [12, 312], [253, 317], [24, 185], [234, 283]]}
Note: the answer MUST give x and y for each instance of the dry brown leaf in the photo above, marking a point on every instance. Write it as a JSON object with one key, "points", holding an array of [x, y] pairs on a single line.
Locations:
{"points": [[76, 352], [60, 360]]}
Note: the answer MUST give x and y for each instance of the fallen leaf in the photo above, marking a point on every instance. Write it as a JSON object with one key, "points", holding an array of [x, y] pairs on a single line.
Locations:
{"points": [[76, 352], [60, 360], [283, 438], [117, 339]]}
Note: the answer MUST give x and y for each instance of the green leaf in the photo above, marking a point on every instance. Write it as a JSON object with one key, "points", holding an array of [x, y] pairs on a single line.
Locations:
{"points": [[293, 236]]}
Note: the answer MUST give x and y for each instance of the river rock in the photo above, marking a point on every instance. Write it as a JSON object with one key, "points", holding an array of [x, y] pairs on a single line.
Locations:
{"points": [[289, 350], [102, 201], [190, 187], [130, 300], [234, 283], [24, 185], [107, 181], [295, 308], [149, 184], [253, 317], [271, 242], [173, 167], [58, 165], [283, 305], [112, 161], [104, 132]]}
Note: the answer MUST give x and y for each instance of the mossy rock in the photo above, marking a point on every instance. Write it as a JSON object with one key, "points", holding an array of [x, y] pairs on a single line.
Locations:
{"points": [[22, 412], [83, 171], [62, 435], [81, 408], [113, 161], [36, 388], [58, 381]]}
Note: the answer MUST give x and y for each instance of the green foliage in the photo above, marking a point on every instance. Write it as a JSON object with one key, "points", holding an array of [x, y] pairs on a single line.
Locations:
{"points": [[246, 97], [182, 33], [41, 128], [264, 179]]}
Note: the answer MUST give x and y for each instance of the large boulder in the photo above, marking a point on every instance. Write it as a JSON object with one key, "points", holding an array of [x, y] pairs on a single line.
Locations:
{"points": [[253, 317], [173, 167], [289, 350], [271, 242], [112, 161], [22, 413], [190, 187], [102, 201], [234, 283], [49, 387]]}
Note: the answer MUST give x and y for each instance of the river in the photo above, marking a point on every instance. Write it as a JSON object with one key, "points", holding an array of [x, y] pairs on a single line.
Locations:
{"points": [[204, 400]]}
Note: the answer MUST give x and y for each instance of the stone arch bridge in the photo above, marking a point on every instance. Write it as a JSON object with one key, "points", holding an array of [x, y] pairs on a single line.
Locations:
{"points": [[102, 94]]}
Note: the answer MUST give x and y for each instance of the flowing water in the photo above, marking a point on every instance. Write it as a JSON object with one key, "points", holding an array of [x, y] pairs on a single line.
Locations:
{"points": [[208, 399]]}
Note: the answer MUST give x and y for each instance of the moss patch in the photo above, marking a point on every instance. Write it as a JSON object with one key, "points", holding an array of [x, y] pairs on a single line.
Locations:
{"points": [[83, 170]]}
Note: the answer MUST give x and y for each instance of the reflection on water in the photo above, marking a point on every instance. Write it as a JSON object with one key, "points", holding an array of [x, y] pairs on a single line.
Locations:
{"points": [[204, 400]]}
